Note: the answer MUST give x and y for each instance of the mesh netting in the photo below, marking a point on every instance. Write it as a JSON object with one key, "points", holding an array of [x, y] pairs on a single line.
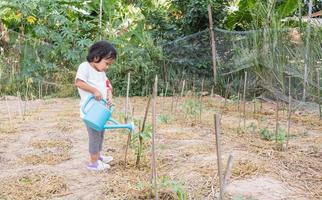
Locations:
{"points": [[268, 56]]}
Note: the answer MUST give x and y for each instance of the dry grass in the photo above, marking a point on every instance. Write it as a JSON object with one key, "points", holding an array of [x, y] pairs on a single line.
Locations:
{"points": [[53, 152], [243, 169], [54, 143], [46, 158], [32, 186]]}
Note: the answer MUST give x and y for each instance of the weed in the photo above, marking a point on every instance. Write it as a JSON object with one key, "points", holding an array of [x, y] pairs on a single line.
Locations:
{"points": [[164, 118], [252, 127], [268, 135], [175, 187], [191, 108], [234, 97]]}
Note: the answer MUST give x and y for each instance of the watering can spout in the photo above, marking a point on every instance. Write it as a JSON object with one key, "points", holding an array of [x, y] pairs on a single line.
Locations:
{"points": [[129, 126]]}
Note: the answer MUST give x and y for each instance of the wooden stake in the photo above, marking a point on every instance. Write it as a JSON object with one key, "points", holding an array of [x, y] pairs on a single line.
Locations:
{"points": [[201, 93], [154, 172], [9, 113], [238, 109], [127, 117], [182, 89], [254, 104], [213, 44], [307, 48], [289, 112], [172, 99], [20, 106], [244, 100], [166, 89], [39, 86], [319, 91], [100, 18], [276, 119], [227, 171], [218, 148], [212, 91]]}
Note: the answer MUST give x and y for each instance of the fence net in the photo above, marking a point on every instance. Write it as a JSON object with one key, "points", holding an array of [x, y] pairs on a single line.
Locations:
{"points": [[270, 57]]}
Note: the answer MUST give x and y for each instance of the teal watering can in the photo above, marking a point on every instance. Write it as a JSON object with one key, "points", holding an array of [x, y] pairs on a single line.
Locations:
{"points": [[98, 114]]}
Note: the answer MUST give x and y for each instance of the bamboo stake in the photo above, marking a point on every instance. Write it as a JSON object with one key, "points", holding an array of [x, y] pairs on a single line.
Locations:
{"points": [[244, 99], [276, 118], [227, 171], [213, 44], [100, 18], [212, 91], [154, 173], [39, 86], [238, 109], [307, 50], [218, 148], [166, 89], [289, 112], [319, 91], [9, 113], [182, 89], [200, 106], [226, 92], [20, 106], [172, 99], [254, 105], [127, 117]]}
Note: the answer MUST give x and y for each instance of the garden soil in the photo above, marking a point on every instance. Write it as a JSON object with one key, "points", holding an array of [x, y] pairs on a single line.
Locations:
{"points": [[44, 152]]}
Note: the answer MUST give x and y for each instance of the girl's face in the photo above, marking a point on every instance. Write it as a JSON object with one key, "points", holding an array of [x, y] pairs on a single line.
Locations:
{"points": [[103, 65]]}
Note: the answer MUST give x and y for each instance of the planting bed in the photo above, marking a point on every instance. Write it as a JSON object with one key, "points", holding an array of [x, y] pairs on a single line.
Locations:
{"points": [[43, 154]]}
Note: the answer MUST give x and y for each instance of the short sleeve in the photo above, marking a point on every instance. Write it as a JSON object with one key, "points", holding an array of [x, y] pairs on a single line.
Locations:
{"points": [[82, 72]]}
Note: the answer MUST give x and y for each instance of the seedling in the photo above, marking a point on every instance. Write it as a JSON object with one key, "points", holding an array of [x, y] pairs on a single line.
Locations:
{"points": [[164, 118], [191, 108]]}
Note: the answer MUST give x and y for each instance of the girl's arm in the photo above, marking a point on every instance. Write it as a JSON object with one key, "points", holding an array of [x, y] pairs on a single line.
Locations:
{"points": [[84, 86]]}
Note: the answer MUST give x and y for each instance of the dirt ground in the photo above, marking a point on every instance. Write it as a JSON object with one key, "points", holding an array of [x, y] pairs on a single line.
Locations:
{"points": [[44, 152]]}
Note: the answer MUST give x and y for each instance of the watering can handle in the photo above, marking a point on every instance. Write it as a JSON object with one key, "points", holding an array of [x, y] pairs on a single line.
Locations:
{"points": [[89, 99]]}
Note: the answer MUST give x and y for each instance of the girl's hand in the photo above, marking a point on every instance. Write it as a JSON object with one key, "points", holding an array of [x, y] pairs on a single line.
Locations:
{"points": [[97, 95], [109, 102]]}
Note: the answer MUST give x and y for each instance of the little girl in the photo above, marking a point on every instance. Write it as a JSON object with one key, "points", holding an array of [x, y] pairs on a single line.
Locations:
{"points": [[91, 80]]}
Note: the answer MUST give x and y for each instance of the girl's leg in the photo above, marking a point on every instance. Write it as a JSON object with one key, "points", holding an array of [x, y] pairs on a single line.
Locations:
{"points": [[101, 143], [94, 141]]}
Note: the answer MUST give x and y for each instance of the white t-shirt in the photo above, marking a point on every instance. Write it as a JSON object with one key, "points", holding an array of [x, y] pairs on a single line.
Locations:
{"points": [[93, 78]]}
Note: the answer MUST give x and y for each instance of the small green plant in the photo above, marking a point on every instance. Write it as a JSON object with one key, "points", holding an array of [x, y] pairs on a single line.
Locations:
{"points": [[140, 141], [252, 127], [175, 187], [234, 97], [164, 118], [268, 135], [265, 134], [191, 108], [244, 198]]}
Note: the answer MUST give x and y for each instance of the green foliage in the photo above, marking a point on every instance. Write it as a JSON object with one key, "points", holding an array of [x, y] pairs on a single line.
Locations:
{"points": [[175, 187], [252, 127], [268, 135], [254, 14], [140, 141], [174, 19], [164, 118], [52, 38], [191, 108]]}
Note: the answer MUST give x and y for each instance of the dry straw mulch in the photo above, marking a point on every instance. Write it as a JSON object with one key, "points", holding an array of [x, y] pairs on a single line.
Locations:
{"points": [[53, 152], [33, 186]]}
